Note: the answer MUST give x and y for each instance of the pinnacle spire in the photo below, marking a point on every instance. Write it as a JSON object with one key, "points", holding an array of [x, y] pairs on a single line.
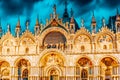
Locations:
{"points": [[103, 21], [8, 27], [37, 21], [54, 11], [27, 25], [71, 12], [0, 22], [65, 12], [65, 4], [82, 22], [117, 11], [18, 23], [0, 26], [93, 17]]}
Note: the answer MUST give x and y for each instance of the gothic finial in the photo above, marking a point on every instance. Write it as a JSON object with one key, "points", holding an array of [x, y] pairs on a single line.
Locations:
{"points": [[66, 4], [93, 17], [117, 11], [0, 26], [72, 12], [27, 24], [37, 21], [93, 13], [65, 14], [82, 22], [0, 22], [8, 27], [103, 21], [18, 23], [54, 11], [54, 7]]}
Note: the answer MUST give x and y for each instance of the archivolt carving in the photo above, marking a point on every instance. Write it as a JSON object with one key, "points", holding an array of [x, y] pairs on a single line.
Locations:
{"points": [[82, 39], [105, 41], [4, 68], [27, 41], [105, 38], [8, 42], [5, 72]]}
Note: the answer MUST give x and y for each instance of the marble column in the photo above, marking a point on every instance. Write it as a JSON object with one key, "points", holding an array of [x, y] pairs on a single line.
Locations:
{"points": [[96, 72], [119, 71]]}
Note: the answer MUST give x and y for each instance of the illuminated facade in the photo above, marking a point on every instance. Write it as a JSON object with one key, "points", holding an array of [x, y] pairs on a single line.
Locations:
{"points": [[61, 51]]}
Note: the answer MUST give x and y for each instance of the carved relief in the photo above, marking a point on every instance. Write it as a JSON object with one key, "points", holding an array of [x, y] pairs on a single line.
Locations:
{"points": [[82, 43], [109, 61], [82, 38], [22, 62], [4, 68], [5, 72], [105, 42], [53, 59], [27, 41], [84, 62], [118, 38], [105, 38], [8, 42]]}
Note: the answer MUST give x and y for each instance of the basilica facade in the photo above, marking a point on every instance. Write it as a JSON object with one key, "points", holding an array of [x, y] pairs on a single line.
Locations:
{"points": [[60, 50]]}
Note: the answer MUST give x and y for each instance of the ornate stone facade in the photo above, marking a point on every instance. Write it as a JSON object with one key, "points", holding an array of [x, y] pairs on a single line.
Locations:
{"points": [[60, 51]]}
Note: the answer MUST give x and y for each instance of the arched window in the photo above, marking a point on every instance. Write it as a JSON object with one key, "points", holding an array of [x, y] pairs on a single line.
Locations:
{"points": [[82, 48], [27, 50], [110, 46], [84, 74], [118, 27], [114, 70], [25, 74], [105, 47], [8, 50], [71, 26], [90, 70], [53, 75], [77, 70]]}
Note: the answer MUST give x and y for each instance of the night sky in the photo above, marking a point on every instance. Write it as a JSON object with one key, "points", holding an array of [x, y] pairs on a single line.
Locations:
{"points": [[29, 9]]}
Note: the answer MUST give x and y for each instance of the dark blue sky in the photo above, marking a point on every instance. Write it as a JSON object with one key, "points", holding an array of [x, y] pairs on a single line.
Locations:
{"points": [[29, 9]]}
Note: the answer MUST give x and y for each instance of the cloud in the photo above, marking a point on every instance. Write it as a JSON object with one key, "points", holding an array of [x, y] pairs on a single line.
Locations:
{"points": [[30, 8], [110, 4], [17, 7]]}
